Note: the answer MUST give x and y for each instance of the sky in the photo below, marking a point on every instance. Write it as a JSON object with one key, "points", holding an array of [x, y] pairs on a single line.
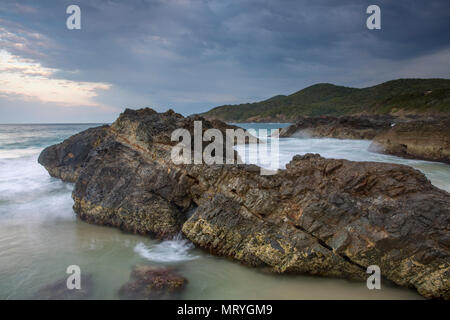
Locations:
{"points": [[192, 55]]}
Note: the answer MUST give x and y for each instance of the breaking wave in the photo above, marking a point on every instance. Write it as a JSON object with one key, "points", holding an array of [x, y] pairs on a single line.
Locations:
{"points": [[175, 250]]}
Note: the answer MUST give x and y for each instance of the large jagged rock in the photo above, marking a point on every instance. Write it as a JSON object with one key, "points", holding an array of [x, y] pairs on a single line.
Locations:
{"points": [[319, 216], [345, 127], [329, 217], [129, 181], [427, 139]]}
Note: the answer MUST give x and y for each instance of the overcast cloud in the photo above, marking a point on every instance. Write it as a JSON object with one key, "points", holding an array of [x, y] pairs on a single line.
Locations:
{"points": [[192, 55]]}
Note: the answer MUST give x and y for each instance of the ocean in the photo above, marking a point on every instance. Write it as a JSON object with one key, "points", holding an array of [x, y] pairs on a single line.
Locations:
{"points": [[40, 235]]}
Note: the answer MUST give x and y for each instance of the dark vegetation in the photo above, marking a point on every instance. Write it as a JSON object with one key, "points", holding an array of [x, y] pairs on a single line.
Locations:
{"points": [[403, 95]]}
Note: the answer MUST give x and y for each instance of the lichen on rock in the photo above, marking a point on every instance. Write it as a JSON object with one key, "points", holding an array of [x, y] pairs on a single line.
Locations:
{"points": [[427, 139], [153, 283]]}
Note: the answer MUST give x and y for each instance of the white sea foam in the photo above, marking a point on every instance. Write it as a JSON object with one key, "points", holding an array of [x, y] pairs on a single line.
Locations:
{"points": [[18, 153], [28, 192], [175, 250], [356, 150]]}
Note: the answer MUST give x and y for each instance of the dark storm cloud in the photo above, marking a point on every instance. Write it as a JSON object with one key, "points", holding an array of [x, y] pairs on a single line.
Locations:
{"points": [[192, 55]]}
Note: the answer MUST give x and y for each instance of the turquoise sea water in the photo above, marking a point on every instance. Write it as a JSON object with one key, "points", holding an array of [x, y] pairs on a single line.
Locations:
{"points": [[40, 235]]}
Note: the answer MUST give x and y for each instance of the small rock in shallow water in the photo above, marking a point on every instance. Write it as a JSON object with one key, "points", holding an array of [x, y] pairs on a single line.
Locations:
{"points": [[152, 283], [58, 290]]}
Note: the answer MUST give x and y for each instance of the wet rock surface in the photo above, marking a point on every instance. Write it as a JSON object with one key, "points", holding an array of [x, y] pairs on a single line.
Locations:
{"points": [[65, 160], [345, 127], [59, 291], [427, 139], [129, 181], [320, 216], [152, 283], [424, 138], [331, 218]]}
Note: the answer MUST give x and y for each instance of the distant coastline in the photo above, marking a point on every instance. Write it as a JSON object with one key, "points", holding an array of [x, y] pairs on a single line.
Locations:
{"points": [[400, 97]]}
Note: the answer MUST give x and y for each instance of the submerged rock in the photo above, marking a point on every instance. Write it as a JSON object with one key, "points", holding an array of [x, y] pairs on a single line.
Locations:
{"points": [[152, 283], [345, 127], [59, 291], [320, 216], [427, 139]]}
